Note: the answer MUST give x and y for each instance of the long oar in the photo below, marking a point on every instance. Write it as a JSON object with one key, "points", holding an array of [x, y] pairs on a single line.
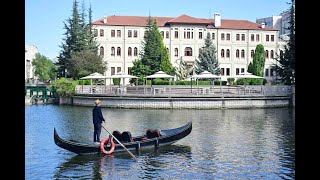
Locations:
{"points": [[121, 144]]}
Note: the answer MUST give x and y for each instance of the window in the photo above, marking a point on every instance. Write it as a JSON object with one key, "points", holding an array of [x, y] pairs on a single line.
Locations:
{"points": [[228, 53], [228, 71], [95, 32], [176, 34], [200, 35], [238, 37], [129, 51], [271, 54], [242, 70], [222, 53], [222, 36], [118, 69], [243, 37], [112, 51], [162, 34], [272, 38], [118, 33], [222, 71], [167, 34], [267, 54], [242, 53], [118, 51], [252, 37], [228, 37], [188, 51], [113, 32], [213, 37], [135, 51], [257, 37], [176, 52], [101, 32], [267, 37], [237, 53], [237, 71], [129, 33], [101, 51], [266, 73], [135, 33], [113, 71], [252, 53]]}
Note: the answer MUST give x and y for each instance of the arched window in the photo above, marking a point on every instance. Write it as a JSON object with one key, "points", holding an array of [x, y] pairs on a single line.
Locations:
{"points": [[101, 51], [271, 54], [135, 51], [118, 51], [267, 54], [112, 51], [129, 51], [222, 53], [242, 53], [228, 53], [252, 53], [237, 53], [188, 51], [176, 52]]}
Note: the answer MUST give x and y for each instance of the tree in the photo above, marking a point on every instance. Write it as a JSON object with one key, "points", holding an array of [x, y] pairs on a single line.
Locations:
{"points": [[155, 56], [86, 62], [258, 63], [183, 71], [44, 67], [207, 60], [285, 66], [79, 37]]}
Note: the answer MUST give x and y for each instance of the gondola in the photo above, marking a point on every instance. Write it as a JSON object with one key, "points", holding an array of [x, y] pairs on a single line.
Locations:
{"points": [[164, 137]]}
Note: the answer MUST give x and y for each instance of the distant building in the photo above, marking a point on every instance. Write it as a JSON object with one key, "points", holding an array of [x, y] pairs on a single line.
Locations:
{"points": [[120, 40], [30, 53], [280, 23]]}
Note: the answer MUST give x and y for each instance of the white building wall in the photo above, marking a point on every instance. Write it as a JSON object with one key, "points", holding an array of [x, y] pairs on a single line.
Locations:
{"points": [[30, 52], [124, 61]]}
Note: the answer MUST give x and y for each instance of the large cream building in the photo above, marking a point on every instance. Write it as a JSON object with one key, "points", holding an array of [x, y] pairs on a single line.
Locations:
{"points": [[120, 40]]}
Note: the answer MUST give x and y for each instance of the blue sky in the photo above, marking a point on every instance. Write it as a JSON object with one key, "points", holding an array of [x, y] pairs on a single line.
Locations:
{"points": [[44, 19]]}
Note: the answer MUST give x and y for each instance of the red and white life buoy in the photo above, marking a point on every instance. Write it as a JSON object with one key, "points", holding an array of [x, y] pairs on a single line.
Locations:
{"points": [[102, 146]]}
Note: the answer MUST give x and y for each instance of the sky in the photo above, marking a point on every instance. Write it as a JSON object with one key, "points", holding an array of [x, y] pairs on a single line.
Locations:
{"points": [[44, 19]]}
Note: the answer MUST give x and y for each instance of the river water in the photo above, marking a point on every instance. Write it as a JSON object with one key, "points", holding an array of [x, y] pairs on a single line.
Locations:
{"points": [[223, 144]]}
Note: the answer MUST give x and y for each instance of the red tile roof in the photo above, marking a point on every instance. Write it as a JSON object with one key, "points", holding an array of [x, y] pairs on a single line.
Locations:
{"points": [[182, 19]]}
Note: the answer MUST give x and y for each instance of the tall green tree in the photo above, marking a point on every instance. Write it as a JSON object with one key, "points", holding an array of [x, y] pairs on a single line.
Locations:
{"points": [[75, 38], [285, 67], [207, 59], [86, 62], [44, 67], [154, 56], [183, 71], [258, 63]]}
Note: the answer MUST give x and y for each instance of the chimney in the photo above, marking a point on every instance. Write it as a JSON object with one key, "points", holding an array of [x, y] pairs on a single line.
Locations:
{"points": [[217, 20], [105, 20], [263, 25]]}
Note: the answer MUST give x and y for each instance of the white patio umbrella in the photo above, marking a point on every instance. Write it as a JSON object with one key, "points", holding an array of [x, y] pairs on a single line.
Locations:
{"points": [[207, 75], [159, 74], [123, 76], [96, 76]]}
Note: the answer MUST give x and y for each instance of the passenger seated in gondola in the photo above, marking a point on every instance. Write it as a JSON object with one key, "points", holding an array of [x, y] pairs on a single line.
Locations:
{"points": [[123, 137], [152, 133], [117, 134]]}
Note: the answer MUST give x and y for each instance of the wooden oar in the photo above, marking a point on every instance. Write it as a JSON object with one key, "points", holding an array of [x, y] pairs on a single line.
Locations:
{"points": [[121, 144]]}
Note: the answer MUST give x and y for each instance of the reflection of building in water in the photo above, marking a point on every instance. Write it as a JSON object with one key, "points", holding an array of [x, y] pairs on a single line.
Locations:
{"points": [[30, 53]]}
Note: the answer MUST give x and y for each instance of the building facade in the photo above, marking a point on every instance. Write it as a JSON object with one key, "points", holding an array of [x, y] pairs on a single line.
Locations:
{"points": [[30, 54], [120, 40]]}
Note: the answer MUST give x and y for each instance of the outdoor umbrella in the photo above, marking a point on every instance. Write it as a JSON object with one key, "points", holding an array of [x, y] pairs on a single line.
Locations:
{"points": [[123, 75], [247, 75], [96, 76], [159, 74], [206, 75]]}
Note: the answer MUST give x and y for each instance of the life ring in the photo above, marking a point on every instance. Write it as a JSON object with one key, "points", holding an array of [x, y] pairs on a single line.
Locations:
{"points": [[102, 146]]}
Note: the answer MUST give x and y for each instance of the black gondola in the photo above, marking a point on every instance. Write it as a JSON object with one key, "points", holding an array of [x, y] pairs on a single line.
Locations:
{"points": [[166, 137]]}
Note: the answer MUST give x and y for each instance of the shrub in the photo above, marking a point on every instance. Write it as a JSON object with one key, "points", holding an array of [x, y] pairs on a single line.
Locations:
{"points": [[65, 87]]}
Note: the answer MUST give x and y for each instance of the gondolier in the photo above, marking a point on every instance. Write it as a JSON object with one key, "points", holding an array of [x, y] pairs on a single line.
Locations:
{"points": [[97, 120]]}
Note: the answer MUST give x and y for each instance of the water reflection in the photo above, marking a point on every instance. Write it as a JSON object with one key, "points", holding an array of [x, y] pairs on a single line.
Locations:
{"points": [[110, 167]]}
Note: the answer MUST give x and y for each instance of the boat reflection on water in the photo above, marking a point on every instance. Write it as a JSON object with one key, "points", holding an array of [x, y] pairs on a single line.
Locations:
{"points": [[101, 166]]}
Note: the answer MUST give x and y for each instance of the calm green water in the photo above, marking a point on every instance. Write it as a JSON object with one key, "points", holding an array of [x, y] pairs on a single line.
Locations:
{"points": [[223, 144]]}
